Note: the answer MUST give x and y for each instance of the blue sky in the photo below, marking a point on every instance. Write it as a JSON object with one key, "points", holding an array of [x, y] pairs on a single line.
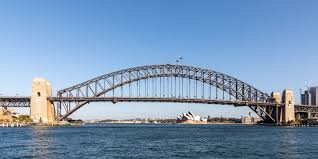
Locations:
{"points": [[269, 44]]}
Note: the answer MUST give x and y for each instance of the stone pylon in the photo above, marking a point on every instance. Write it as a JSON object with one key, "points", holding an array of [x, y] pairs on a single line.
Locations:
{"points": [[278, 110], [288, 113], [42, 110]]}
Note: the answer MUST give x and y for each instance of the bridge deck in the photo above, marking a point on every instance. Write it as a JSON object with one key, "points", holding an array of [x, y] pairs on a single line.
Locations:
{"points": [[166, 100], [306, 108], [15, 101], [23, 101]]}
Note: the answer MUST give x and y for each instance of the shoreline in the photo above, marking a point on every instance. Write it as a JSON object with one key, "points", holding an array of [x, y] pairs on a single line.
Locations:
{"points": [[14, 124], [172, 123]]}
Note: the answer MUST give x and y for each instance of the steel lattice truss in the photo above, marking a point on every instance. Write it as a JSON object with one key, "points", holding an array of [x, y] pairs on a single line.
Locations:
{"points": [[161, 82], [14, 101], [306, 109]]}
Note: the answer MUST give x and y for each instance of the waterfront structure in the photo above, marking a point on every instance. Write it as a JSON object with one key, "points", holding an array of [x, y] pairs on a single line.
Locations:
{"points": [[190, 118], [158, 83], [42, 110], [312, 121], [249, 119], [13, 124]]}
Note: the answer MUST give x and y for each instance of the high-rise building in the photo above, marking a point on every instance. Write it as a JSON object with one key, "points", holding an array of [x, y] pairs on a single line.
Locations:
{"points": [[314, 95], [306, 98], [310, 97]]}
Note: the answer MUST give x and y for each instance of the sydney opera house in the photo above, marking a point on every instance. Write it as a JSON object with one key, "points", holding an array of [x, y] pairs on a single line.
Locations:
{"points": [[190, 118]]}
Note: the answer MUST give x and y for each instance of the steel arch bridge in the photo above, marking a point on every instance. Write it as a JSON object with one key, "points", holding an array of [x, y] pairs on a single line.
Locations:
{"points": [[165, 83]]}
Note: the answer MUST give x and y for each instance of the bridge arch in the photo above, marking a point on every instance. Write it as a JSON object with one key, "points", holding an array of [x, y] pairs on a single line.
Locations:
{"points": [[108, 83]]}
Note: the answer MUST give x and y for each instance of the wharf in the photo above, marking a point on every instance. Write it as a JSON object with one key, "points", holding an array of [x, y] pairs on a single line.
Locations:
{"points": [[11, 125]]}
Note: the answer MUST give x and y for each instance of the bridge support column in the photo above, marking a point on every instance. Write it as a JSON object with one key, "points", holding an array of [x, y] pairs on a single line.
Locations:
{"points": [[309, 115], [297, 116], [278, 110], [289, 107], [42, 110]]}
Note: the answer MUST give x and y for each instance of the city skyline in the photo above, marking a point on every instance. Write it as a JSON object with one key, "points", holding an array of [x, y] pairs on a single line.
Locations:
{"points": [[270, 45]]}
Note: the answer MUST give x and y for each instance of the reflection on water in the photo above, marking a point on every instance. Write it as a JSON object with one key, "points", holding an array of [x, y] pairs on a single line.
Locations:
{"points": [[42, 142], [159, 141]]}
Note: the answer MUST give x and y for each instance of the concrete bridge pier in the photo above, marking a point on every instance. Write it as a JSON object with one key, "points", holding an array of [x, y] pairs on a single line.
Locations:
{"points": [[298, 116], [278, 110], [42, 110]]}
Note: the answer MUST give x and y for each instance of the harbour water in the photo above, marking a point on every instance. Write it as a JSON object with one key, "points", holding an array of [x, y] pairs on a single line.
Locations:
{"points": [[159, 141]]}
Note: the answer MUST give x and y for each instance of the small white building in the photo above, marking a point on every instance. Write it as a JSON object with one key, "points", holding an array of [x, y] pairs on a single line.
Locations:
{"points": [[250, 119]]}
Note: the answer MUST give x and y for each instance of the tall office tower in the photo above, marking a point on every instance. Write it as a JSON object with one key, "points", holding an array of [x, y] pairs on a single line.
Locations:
{"points": [[306, 98], [314, 95]]}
